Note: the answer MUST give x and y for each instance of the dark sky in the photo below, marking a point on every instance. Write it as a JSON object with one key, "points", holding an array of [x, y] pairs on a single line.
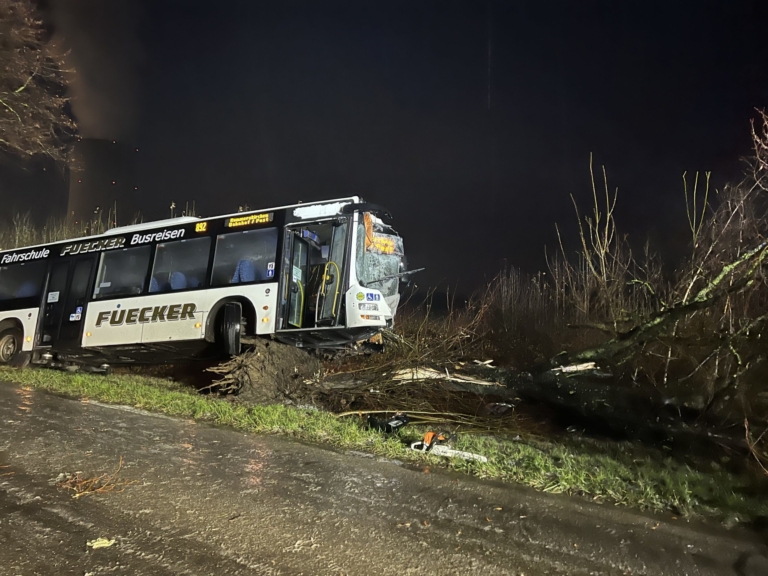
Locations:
{"points": [[272, 102]]}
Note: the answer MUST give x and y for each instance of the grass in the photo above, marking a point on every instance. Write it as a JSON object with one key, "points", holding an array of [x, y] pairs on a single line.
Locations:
{"points": [[607, 474]]}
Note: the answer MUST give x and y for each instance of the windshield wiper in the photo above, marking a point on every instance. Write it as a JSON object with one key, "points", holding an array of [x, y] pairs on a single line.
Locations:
{"points": [[390, 277]]}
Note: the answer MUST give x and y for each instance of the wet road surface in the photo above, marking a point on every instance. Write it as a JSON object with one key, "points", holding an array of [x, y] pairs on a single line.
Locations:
{"points": [[214, 501]]}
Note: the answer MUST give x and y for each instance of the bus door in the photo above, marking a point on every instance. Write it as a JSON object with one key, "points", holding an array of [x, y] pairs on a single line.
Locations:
{"points": [[331, 281], [296, 281], [65, 302], [313, 280]]}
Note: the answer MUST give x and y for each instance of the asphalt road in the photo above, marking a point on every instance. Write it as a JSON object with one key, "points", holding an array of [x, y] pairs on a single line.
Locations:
{"points": [[214, 501]]}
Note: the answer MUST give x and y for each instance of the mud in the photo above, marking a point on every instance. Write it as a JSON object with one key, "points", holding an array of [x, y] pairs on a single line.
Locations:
{"points": [[267, 372]]}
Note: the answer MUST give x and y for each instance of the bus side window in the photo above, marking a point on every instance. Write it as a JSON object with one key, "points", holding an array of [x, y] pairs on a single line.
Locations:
{"points": [[122, 272], [180, 265], [23, 280], [247, 256]]}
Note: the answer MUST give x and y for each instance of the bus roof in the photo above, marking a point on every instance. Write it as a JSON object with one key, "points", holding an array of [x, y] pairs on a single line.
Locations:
{"points": [[187, 219], [152, 224]]}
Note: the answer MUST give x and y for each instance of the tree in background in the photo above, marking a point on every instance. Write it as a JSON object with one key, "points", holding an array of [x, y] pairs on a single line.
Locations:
{"points": [[34, 116]]}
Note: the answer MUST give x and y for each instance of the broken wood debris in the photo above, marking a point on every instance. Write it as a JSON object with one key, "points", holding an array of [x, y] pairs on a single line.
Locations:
{"points": [[409, 374]]}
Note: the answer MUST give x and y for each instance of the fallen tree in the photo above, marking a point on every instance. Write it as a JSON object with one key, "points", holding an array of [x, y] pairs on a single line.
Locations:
{"points": [[732, 279]]}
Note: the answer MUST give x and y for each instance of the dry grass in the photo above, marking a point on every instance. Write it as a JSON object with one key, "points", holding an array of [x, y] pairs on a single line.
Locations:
{"points": [[517, 320], [21, 230], [81, 485]]}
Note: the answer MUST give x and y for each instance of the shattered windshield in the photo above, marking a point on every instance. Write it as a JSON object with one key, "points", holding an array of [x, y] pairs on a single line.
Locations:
{"points": [[379, 256]]}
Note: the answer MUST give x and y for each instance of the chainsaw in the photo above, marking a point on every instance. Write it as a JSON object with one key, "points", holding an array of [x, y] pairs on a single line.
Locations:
{"points": [[434, 443]]}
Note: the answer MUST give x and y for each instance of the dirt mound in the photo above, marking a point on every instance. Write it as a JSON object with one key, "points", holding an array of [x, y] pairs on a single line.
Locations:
{"points": [[266, 371]]}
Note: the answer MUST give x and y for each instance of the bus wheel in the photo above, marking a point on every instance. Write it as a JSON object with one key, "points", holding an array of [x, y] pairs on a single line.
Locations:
{"points": [[10, 348], [231, 328]]}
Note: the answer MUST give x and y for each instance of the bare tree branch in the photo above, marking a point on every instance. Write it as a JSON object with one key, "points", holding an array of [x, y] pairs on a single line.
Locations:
{"points": [[34, 116]]}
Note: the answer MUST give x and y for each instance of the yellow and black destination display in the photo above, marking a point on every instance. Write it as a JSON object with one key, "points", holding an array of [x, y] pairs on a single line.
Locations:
{"points": [[382, 244], [250, 220]]}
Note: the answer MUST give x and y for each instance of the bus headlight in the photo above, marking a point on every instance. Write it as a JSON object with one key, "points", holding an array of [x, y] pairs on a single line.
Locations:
{"points": [[368, 306]]}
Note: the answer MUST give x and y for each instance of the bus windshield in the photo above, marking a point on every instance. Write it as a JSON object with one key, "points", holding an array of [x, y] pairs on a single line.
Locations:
{"points": [[380, 256]]}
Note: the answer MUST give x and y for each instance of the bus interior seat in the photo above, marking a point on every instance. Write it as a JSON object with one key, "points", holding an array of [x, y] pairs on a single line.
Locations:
{"points": [[155, 285], [26, 290], [193, 282], [178, 281], [245, 272]]}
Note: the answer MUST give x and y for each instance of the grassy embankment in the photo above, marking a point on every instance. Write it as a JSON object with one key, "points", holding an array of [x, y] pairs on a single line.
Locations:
{"points": [[602, 474]]}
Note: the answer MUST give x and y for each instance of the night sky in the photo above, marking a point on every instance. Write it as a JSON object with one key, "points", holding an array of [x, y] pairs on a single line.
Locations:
{"points": [[272, 102]]}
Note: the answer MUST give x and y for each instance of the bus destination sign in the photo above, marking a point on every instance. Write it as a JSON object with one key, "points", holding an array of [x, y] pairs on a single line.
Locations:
{"points": [[250, 220]]}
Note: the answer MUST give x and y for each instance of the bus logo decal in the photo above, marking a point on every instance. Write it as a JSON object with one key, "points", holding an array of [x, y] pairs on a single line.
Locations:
{"points": [[93, 246], [118, 317]]}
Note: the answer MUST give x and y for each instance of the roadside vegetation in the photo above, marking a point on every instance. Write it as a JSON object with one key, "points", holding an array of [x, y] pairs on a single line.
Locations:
{"points": [[20, 230], [689, 339], [601, 472]]}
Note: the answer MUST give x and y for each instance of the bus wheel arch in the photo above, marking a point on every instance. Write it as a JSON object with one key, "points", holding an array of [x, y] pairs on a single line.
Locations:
{"points": [[217, 313], [11, 323], [11, 343]]}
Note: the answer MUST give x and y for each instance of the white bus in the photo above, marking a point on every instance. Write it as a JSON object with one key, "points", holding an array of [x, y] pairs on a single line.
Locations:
{"points": [[317, 275]]}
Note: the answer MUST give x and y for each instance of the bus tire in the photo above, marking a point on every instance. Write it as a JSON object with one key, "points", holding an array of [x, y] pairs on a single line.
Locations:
{"points": [[231, 328], [11, 341], [22, 360]]}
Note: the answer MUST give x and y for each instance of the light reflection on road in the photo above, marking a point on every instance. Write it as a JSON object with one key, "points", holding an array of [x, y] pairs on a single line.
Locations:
{"points": [[254, 468], [26, 400]]}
